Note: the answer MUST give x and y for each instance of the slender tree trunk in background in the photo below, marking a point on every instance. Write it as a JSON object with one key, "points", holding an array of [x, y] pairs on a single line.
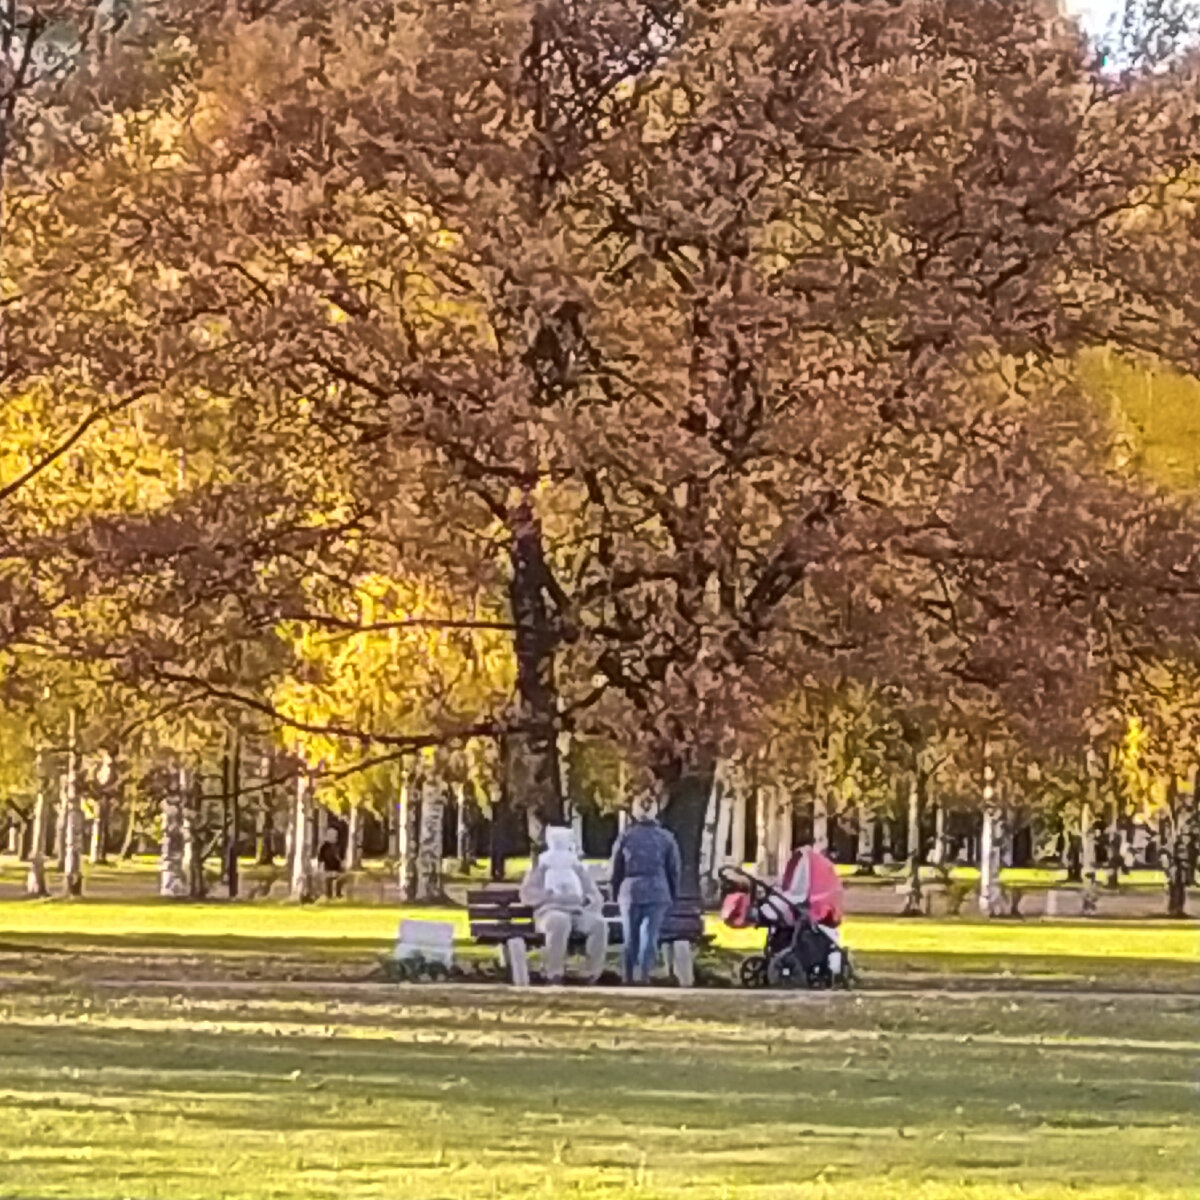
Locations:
{"points": [[301, 839], [231, 787], [407, 816], [1112, 873], [1087, 839], [23, 838], [821, 821], [73, 851], [289, 837], [737, 833], [990, 842], [938, 854], [97, 852], [354, 838], [60, 829], [913, 897], [533, 772], [171, 879], [865, 856], [430, 842], [727, 801], [766, 863], [35, 881], [787, 829], [1177, 847], [462, 831], [264, 821], [14, 838], [708, 845], [127, 836], [193, 854]]}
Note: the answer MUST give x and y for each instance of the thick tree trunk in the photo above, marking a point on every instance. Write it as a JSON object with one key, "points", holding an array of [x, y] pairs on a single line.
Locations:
{"points": [[408, 806], [301, 827], [354, 838], [130, 830], [171, 878], [534, 773], [35, 882], [687, 787], [429, 847], [990, 843], [73, 836]]}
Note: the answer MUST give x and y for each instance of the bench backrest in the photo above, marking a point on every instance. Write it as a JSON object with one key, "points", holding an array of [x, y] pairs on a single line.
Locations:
{"points": [[497, 914]]}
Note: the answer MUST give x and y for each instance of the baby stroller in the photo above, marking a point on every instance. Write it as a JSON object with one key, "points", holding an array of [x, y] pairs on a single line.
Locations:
{"points": [[799, 952]]}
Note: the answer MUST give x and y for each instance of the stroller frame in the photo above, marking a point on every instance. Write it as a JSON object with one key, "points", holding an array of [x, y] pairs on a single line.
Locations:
{"points": [[796, 954]]}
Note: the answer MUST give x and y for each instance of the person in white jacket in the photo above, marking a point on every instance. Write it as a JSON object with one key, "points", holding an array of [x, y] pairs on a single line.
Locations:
{"points": [[566, 900]]}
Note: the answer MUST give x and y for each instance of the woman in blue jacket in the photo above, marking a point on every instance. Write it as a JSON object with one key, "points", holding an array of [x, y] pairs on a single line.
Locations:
{"points": [[645, 882]]}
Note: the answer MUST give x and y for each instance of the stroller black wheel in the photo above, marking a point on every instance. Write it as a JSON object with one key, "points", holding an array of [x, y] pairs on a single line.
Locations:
{"points": [[786, 971], [753, 972]]}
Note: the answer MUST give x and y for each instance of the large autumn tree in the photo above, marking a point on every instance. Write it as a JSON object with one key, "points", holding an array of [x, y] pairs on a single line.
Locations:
{"points": [[734, 334]]}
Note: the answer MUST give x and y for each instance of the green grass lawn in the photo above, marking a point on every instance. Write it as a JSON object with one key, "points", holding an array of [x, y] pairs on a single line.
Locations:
{"points": [[1126, 954], [422, 1094]]}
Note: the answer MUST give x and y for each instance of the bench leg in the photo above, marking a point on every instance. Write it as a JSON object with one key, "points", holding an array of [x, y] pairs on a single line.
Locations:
{"points": [[517, 960], [681, 964]]}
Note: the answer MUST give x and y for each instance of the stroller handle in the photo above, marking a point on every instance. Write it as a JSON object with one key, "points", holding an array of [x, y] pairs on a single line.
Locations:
{"points": [[758, 888]]}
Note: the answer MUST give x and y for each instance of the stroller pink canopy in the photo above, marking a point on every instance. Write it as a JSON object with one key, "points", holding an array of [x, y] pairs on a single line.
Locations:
{"points": [[824, 892]]}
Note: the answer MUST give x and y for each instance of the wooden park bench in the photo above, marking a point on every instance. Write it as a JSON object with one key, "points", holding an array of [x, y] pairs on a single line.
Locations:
{"points": [[498, 918]]}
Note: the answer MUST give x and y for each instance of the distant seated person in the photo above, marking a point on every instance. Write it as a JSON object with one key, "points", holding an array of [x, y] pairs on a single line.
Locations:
{"points": [[565, 900], [329, 858]]}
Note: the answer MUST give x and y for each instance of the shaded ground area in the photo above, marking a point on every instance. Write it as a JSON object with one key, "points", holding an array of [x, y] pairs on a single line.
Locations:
{"points": [[249, 1094]]}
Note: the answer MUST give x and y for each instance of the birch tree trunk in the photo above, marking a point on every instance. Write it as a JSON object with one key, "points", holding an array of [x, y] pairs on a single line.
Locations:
{"points": [[708, 841], [354, 838], [73, 837], [937, 856], [127, 837], [171, 880], [865, 856], [820, 823], [289, 837], [60, 828], [193, 857], [301, 829], [989, 849], [406, 828], [737, 837], [264, 824], [430, 843], [35, 881], [912, 897], [462, 830], [787, 831], [727, 801], [766, 862]]}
